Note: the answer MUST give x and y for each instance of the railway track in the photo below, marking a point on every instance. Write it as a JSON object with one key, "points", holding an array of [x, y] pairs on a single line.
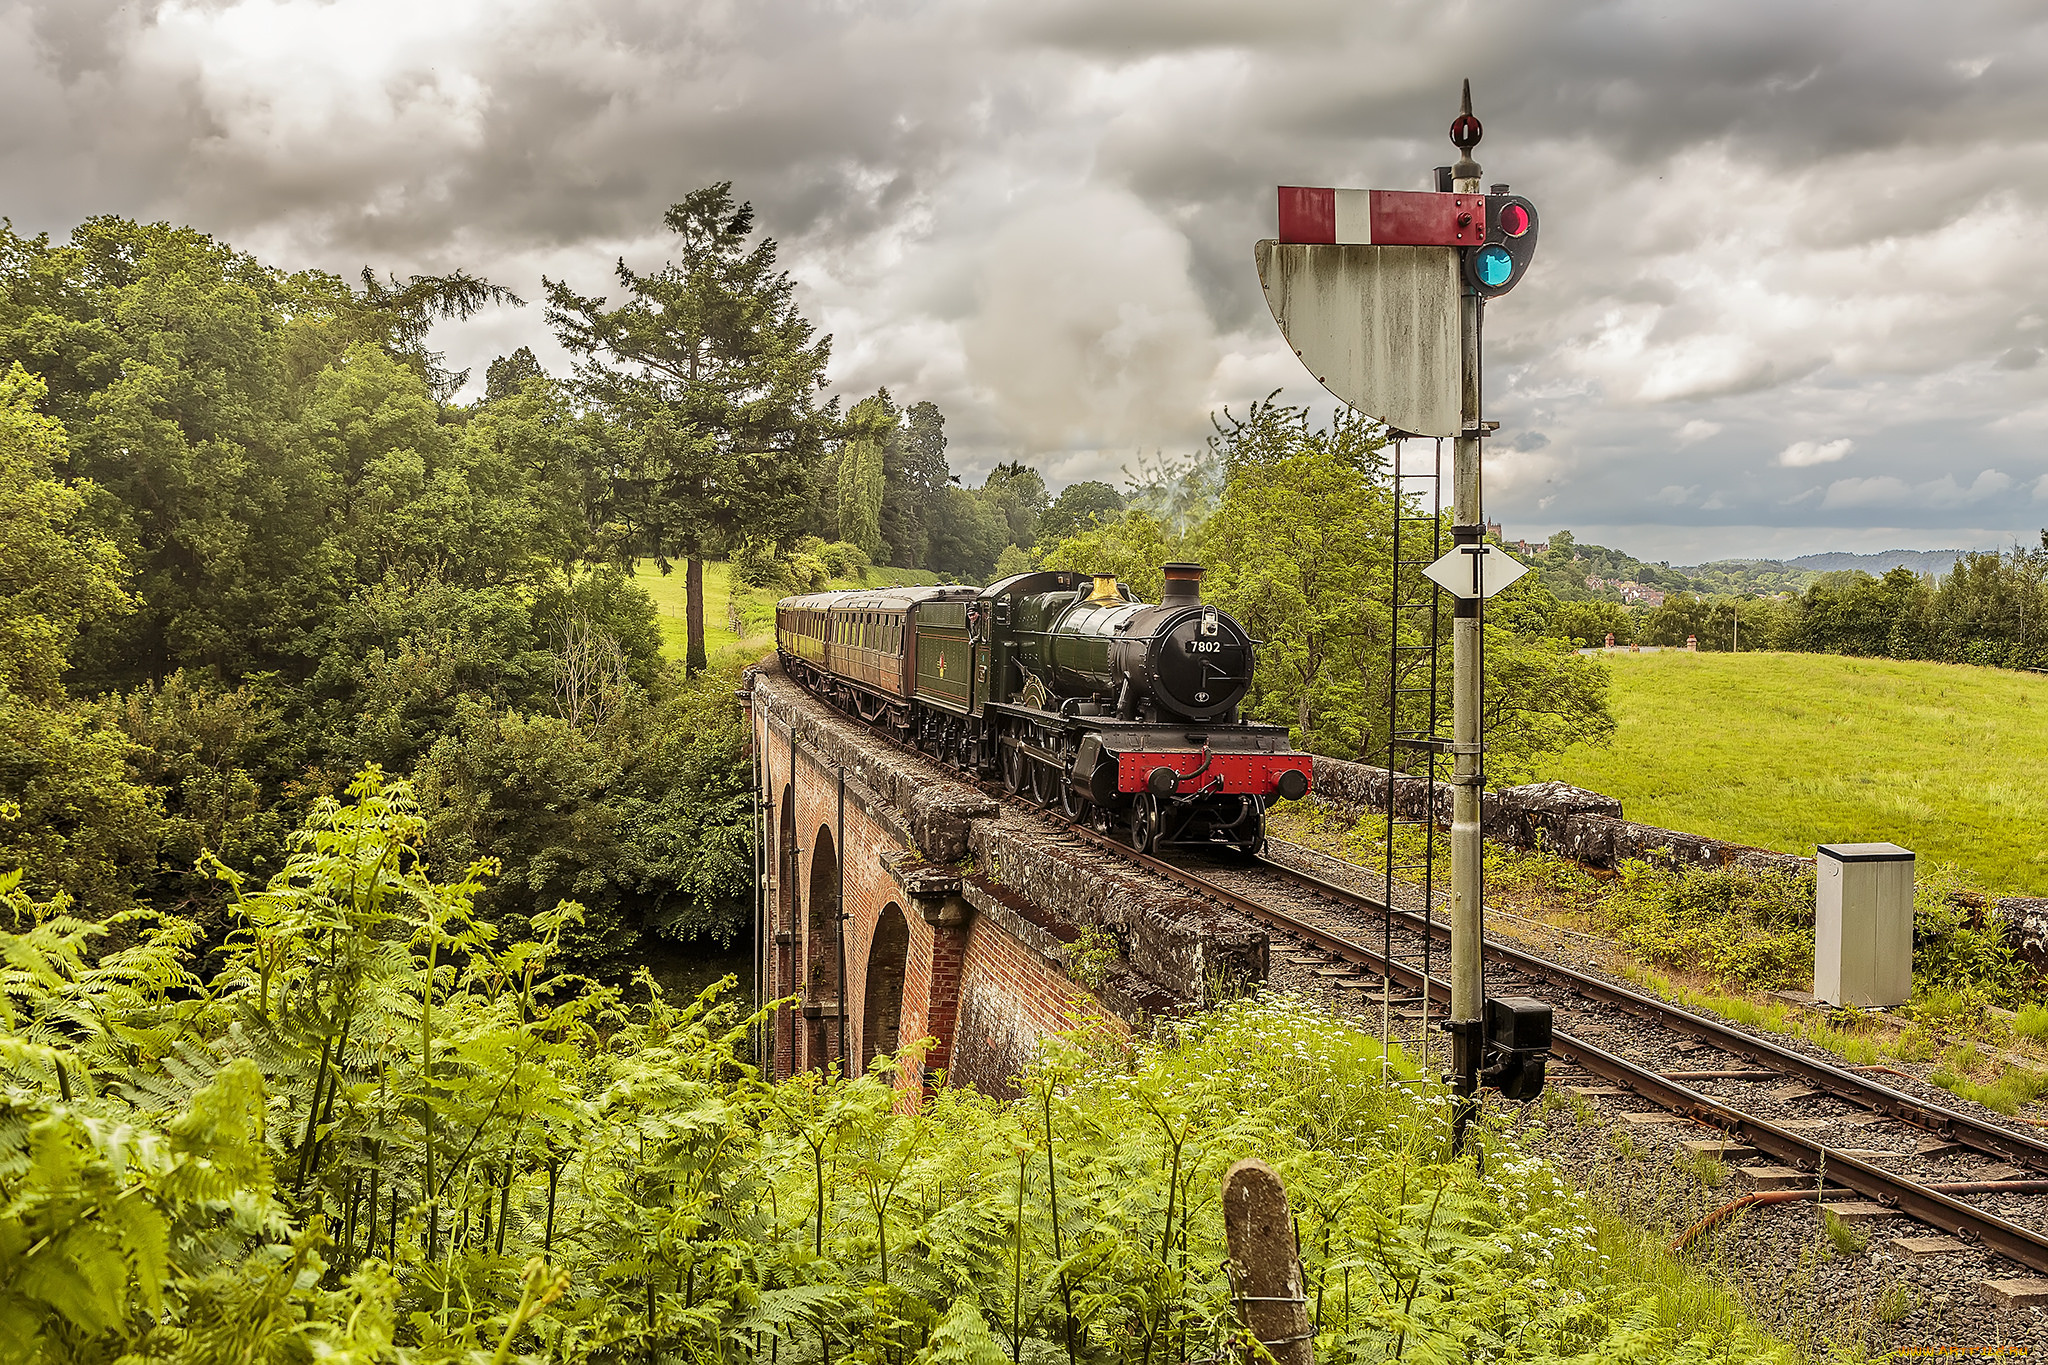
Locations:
{"points": [[1936, 1204]]}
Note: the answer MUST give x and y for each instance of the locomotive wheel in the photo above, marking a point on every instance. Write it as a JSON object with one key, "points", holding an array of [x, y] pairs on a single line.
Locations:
{"points": [[1016, 769], [1045, 783], [1072, 805], [1145, 821]]}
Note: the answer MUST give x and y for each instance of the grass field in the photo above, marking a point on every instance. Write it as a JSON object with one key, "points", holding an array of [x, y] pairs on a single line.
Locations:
{"points": [[738, 627], [1789, 750]]}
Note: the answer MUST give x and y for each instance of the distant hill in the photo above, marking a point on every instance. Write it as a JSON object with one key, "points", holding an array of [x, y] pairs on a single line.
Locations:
{"points": [[1572, 570], [1919, 561]]}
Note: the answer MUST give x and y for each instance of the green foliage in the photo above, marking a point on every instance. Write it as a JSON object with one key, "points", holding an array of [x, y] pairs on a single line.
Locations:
{"points": [[1093, 955], [1846, 1238], [68, 806], [2010, 1088], [57, 575], [1013, 561], [1588, 624], [2032, 1022], [870, 428], [1956, 950], [1749, 929], [386, 1132], [1078, 507], [837, 558]]}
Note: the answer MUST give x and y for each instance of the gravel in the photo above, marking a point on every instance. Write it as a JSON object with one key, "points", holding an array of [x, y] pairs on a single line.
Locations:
{"points": [[1780, 1258]]}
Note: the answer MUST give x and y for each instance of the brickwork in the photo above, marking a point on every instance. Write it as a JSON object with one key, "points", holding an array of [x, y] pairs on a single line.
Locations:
{"points": [[980, 970]]}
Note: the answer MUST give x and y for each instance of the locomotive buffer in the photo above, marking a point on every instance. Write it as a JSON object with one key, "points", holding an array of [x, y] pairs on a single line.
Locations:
{"points": [[1382, 293]]}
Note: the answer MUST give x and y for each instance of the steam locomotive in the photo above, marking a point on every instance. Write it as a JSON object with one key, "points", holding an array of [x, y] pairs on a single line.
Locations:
{"points": [[1121, 713]]}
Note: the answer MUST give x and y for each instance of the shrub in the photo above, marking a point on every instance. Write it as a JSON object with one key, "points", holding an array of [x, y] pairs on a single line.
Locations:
{"points": [[1738, 926], [760, 564]]}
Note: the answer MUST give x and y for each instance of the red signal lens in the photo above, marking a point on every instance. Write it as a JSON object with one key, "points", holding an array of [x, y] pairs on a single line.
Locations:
{"points": [[1514, 220]]}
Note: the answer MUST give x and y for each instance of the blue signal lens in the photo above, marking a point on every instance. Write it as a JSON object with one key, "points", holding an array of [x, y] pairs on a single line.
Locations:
{"points": [[1493, 266]]}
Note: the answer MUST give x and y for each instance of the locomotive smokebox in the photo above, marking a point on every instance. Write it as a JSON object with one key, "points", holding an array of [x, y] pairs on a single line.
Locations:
{"points": [[1183, 586]]}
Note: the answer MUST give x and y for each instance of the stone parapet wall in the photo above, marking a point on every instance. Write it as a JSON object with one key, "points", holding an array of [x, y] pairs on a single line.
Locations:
{"points": [[2025, 921], [1563, 819], [1182, 942]]}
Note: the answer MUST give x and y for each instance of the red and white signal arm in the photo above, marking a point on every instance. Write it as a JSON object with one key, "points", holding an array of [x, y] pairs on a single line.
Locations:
{"points": [[1322, 217]]}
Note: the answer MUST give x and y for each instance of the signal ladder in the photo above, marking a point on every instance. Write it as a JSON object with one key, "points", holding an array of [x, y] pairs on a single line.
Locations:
{"points": [[1416, 738]]}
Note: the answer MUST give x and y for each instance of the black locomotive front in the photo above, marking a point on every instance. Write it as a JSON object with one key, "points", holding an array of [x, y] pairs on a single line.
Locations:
{"points": [[1180, 659]]}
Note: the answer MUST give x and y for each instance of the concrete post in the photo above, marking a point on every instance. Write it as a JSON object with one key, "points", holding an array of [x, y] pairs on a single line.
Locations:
{"points": [[1468, 771], [1271, 1291]]}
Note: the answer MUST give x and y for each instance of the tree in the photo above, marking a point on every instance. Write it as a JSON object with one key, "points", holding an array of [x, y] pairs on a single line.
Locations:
{"points": [[914, 474], [966, 534], [713, 373], [67, 809], [1588, 624], [1299, 553], [1078, 506], [1683, 616], [1015, 492], [505, 374], [870, 432]]}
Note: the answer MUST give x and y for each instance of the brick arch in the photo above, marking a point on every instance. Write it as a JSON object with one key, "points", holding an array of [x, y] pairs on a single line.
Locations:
{"points": [[882, 994], [824, 934]]}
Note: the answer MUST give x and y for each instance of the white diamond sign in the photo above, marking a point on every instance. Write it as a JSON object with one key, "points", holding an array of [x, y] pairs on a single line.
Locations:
{"points": [[1475, 571]]}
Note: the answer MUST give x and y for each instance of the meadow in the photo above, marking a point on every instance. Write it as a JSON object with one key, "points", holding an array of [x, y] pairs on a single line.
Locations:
{"points": [[1786, 751], [739, 620]]}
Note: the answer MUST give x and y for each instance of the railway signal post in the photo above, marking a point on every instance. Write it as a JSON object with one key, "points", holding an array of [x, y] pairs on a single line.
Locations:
{"points": [[1382, 293]]}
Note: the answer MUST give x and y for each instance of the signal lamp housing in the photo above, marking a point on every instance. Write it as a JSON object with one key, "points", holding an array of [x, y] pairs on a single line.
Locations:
{"points": [[1499, 264]]}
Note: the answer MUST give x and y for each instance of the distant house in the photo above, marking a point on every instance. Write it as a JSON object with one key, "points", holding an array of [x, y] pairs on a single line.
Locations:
{"points": [[1596, 582], [1637, 593]]}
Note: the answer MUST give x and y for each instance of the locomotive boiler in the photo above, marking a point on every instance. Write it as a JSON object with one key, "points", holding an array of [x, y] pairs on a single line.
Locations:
{"points": [[1123, 713]]}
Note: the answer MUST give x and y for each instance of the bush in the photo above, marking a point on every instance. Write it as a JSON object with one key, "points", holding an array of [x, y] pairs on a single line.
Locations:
{"points": [[760, 564], [1737, 926], [840, 558], [240, 1169]]}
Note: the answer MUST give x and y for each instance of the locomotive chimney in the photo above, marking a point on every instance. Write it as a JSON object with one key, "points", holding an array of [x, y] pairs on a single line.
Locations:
{"points": [[1183, 586]]}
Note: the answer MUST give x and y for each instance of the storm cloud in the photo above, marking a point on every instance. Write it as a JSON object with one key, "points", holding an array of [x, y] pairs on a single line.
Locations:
{"points": [[1788, 295]]}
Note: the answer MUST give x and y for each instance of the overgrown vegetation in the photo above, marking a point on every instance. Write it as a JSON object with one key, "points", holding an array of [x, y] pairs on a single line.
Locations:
{"points": [[382, 1130], [1722, 940]]}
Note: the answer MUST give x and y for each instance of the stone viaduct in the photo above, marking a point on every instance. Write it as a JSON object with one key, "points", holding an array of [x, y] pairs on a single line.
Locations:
{"points": [[903, 908]]}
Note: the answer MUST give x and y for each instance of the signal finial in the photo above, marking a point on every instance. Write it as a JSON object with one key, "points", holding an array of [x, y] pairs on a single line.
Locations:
{"points": [[1465, 134]]}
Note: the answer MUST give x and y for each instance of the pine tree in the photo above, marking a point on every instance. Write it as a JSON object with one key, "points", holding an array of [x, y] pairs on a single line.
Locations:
{"points": [[713, 374]]}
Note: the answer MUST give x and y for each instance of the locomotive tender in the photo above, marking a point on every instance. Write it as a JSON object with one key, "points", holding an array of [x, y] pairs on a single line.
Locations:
{"points": [[1076, 694]]}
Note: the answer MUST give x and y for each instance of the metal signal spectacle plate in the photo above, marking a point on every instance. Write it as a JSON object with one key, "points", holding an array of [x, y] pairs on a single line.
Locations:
{"points": [[1499, 264]]}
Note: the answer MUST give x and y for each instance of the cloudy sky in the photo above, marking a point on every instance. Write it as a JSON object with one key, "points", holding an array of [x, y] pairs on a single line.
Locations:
{"points": [[1790, 294]]}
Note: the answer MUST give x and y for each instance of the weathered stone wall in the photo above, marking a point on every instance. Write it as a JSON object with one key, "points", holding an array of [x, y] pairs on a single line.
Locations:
{"points": [[1567, 820], [2025, 919], [1181, 942], [994, 905]]}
